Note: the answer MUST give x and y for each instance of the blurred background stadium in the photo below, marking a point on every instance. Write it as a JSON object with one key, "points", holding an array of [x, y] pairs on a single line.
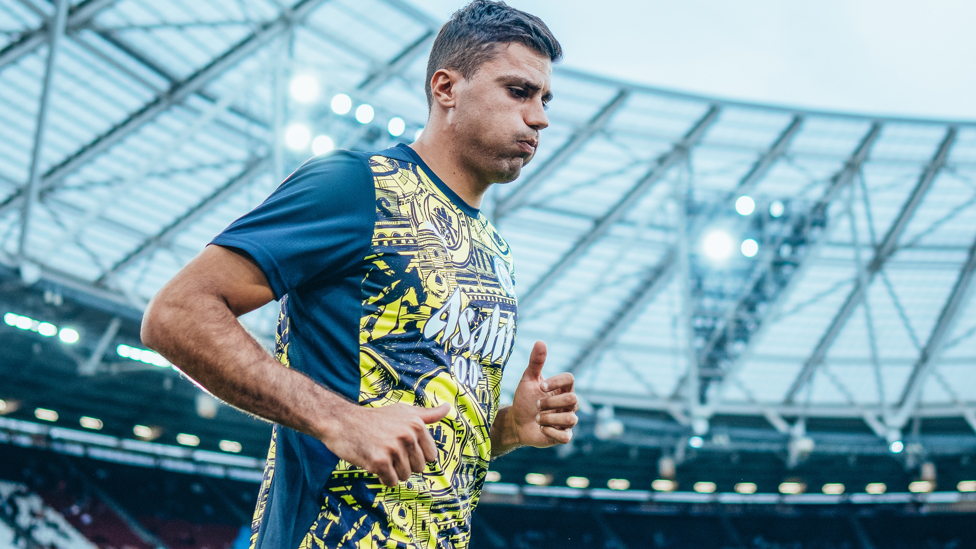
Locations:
{"points": [[768, 310]]}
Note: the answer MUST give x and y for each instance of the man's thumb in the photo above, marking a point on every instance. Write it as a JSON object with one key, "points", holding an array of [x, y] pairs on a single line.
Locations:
{"points": [[433, 415], [537, 359]]}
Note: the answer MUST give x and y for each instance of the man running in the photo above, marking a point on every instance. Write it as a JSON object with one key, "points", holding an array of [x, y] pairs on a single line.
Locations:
{"points": [[398, 311]]}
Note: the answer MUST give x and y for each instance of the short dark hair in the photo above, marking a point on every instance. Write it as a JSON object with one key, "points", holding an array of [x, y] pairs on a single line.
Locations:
{"points": [[470, 38]]}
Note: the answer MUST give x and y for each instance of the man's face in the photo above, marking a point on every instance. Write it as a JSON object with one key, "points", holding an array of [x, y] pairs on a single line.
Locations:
{"points": [[500, 111]]}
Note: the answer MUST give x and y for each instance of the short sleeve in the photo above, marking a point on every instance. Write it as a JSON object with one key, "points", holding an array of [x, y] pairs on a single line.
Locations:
{"points": [[316, 224]]}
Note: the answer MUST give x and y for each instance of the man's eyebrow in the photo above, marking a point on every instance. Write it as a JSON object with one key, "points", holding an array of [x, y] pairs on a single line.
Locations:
{"points": [[521, 81]]}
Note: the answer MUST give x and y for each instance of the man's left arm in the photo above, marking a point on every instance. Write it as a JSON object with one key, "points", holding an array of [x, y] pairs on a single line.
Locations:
{"points": [[543, 412]]}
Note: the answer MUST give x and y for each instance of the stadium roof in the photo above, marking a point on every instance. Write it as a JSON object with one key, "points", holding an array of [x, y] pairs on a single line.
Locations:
{"points": [[160, 126]]}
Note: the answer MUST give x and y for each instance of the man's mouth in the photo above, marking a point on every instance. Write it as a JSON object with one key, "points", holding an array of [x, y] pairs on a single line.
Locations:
{"points": [[528, 146]]}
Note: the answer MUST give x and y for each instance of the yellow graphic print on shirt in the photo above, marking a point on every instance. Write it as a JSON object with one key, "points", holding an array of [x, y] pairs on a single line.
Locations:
{"points": [[438, 324]]}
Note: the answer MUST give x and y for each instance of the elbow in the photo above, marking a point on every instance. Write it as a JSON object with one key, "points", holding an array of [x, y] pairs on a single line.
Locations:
{"points": [[153, 328]]}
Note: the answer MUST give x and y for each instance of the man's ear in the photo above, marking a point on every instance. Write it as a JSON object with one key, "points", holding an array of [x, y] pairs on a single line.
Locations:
{"points": [[443, 87]]}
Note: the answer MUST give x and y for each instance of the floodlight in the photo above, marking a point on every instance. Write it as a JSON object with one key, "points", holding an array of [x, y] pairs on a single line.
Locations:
{"points": [[705, 487], [833, 488], [791, 488], [577, 482], [364, 114], [777, 209], [745, 488], [749, 247], [696, 442], [231, 446], [322, 144], [966, 486], [142, 431], [921, 486], [538, 479], [304, 88], [896, 447], [493, 476], [69, 336], [341, 104], [188, 440], [297, 136], [24, 323], [396, 126], [745, 205], [47, 329], [618, 484], [718, 245], [664, 485], [91, 423], [45, 415], [876, 488]]}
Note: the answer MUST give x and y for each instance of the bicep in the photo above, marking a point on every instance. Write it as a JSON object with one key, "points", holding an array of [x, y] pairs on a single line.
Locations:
{"points": [[223, 273]]}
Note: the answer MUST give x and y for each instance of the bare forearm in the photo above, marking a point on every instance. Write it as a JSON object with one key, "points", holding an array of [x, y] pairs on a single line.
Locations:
{"points": [[204, 339], [504, 435]]}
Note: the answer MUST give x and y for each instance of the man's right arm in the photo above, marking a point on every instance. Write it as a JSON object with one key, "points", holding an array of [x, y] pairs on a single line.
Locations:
{"points": [[192, 322]]}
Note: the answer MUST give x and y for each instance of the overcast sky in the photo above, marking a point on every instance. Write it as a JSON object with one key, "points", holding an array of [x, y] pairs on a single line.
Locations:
{"points": [[915, 58]]}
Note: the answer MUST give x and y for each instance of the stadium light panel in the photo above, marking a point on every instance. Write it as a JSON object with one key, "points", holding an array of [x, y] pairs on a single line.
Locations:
{"points": [[705, 487], [791, 488], [664, 485], [577, 482], [188, 440], [69, 336], [777, 209], [833, 488], [618, 484], [341, 104], [304, 88], [322, 144], [10, 319], [745, 488], [231, 446], [749, 247], [92, 423], [696, 442], [896, 447], [143, 431], [24, 323], [921, 487], [297, 136], [493, 476], [745, 205], [396, 127], [364, 113], [45, 415], [47, 329], [876, 488], [718, 245], [966, 486], [538, 479]]}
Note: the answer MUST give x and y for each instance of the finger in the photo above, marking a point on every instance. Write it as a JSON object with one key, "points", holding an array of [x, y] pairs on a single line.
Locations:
{"points": [[563, 383], [428, 446], [386, 475], [537, 359], [557, 436], [402, 465], [433, 415], [417, 461], [565, 401], [561, 420]]}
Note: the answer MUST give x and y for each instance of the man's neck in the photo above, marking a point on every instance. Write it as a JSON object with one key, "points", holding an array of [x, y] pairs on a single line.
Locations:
{"points": [[440, 158]]}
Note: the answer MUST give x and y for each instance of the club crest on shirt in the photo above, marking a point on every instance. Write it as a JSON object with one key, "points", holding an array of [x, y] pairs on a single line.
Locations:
{"points": [[504, 276]]}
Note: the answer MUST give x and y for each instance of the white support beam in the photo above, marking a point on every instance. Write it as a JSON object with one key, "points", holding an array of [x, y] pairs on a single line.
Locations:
{"points": [[960, 296], [885, 250], [600, 227], [838, 181], [30, 41], [174, 96], [56, 33]]}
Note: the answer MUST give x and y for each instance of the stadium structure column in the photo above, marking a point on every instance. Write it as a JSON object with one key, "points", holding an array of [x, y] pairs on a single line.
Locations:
{"points": [[885, 250], [57, 25]]}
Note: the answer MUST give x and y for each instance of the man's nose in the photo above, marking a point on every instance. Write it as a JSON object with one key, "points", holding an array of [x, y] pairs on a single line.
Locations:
{"points": [[536, 118]]}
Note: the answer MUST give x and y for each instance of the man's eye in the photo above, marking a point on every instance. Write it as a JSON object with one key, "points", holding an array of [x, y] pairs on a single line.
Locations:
{"points": [[518, 92]]}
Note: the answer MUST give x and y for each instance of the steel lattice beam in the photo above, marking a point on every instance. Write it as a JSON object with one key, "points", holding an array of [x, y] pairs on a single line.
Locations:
{"points": [[251, 171], [176, 94], [839, 181], [603, 224], [955, 303], [884, 251], [558, 159], [77, 16]]}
